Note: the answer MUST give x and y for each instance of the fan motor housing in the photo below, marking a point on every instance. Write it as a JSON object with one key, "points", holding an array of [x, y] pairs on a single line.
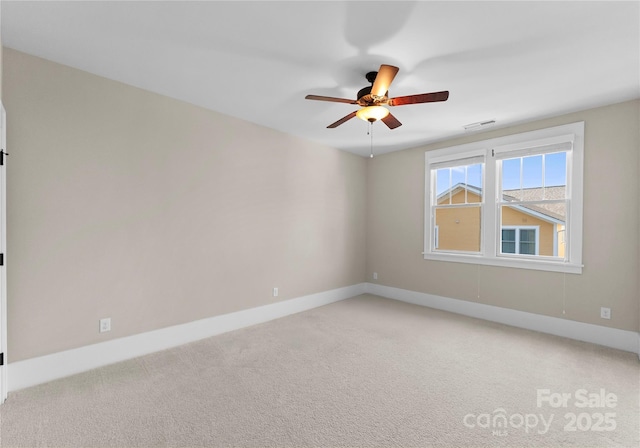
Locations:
{"points": [[364, 95], [366, 99]]}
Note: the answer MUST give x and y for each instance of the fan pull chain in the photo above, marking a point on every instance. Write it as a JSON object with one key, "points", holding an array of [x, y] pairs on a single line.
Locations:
{"points": [[371, 134]]}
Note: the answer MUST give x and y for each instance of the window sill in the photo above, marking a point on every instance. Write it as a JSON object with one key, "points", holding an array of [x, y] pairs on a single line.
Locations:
{"points": [[538, 265]]}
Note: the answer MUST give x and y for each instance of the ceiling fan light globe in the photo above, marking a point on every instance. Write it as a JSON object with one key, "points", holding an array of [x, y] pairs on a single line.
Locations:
{"points": [[372, 113]]}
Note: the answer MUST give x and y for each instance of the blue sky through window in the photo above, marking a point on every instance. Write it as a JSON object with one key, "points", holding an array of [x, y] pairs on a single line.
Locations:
{"points": [[448, 177], [521, 172], [527, 172]]}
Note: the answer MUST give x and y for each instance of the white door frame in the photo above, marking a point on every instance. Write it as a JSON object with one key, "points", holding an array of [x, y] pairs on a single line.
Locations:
{"points": [[3, 245]]}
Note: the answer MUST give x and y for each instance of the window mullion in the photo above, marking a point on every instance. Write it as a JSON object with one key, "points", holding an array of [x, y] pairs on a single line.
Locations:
{"points": [[490, 235], [521, 175], [567, 235], [466, 183], [544, 185]]}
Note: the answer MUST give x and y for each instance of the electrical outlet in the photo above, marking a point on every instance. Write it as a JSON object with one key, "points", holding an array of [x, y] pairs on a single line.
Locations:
{"points": [[605, 313], [105, 324], [275, 292], [375, 276]]}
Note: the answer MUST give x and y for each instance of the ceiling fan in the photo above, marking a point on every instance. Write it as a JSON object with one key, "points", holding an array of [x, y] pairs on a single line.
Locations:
{"points": [[373, 98]]}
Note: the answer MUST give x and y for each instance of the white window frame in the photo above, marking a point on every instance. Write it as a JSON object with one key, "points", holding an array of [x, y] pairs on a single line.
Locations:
{"points": [[496, 149]]}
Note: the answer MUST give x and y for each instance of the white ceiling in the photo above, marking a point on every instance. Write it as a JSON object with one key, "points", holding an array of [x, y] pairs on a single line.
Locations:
{"points": [[504, 61]]}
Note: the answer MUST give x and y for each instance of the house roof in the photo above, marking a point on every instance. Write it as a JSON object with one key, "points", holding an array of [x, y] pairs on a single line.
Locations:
{"points": [[555, 212]]}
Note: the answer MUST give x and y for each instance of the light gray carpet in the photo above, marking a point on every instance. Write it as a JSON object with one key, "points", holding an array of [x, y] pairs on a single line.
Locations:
{"points": [[362, 372]]}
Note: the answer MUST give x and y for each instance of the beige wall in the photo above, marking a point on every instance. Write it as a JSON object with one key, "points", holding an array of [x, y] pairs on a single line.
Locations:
{"points": [[130, 205], [610, 276]]}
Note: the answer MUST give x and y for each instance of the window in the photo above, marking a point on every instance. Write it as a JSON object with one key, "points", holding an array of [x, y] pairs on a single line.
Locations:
{"points": [[519, 240], [512, 201], [458, 205]]}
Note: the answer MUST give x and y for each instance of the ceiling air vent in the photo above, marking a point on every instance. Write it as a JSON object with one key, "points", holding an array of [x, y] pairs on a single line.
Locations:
{"points": [[479, 125]]}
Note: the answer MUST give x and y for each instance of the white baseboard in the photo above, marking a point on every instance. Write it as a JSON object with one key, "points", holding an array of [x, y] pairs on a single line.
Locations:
{"points": [[610, 337], [42, 369]]}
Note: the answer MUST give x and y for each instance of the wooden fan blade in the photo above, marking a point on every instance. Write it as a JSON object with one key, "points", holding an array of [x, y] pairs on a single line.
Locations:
{"points": [[391, 121], [330, 98], [342, 120], [420, 98], [383, 79]]}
